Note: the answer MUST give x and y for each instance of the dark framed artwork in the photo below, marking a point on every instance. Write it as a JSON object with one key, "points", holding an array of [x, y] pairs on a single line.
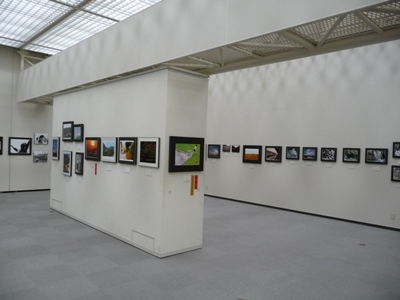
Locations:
{"points": [[396, 149], [226, 148], [293, 152], [328, 154], [395, 173], [127, 150], [40, 156], [214, 151], [351, 155], [19, 146], [310, 153], [109, 148], [186, 154], [78, 132], [252, 154], [55, 149], [68, 131], [41, 138], [148, 152], [235, 148], [1, 145], [67, 163], [273, 153], [79, 160], [92, 148], [376, 156]]}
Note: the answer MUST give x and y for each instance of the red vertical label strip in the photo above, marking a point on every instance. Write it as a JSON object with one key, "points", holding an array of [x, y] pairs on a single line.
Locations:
{"points": [[196, 182]]}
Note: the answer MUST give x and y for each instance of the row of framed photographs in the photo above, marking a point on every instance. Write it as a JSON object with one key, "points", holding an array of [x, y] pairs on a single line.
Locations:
{"points": [[253, 154], [67, 162], [72, 132]]}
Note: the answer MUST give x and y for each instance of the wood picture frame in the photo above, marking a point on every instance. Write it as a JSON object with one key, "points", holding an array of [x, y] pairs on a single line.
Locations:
{"points": [[68, 131], [92, 148], [186, 154], [148, 152], [19, 146], [376, 156], [252, 154], [127, 150]]}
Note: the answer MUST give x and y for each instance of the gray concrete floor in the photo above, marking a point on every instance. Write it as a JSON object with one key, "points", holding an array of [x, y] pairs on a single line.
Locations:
{"points": [[249, 252]]}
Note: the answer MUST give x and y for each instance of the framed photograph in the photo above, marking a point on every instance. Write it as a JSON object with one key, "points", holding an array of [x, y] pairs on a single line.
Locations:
{"points": [[293, 153], [351, 155], [149, 152], [67, 163], [40, 156], [396, 150], [127, 150], [328, 154], [68, 131], [235, 148], [252, 154], [1, 145], [186, 154], [109, 149], [214, 151], [78, 133], [79, 159], [55, 149], [226, 148], [310, 153], [376, 156], [41, 138], [395, 173], [19, 146], [92, 148], [273, 153]]}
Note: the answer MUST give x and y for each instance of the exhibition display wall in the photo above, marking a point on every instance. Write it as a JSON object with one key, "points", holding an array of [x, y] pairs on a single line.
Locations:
{"points": [[347, 99], [142, 204], [18, 125]]}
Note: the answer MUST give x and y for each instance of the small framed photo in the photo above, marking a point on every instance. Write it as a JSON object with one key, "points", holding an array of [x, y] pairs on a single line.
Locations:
{"points": [[1, 145], [109, 149], [273, 153], [149, 152], [310, 153], [78, 133], [328, 154], [55, 149], [67, 163], [396, 150], [79, 159], [235, 148], [127, 150], [186, 154], [293, 153], [40, 156], [376, 156], [351, 155], [214, 151], [68, 131], [252, 154], [92, 148], [41, 138], [19, 146], [395, 173], [226, 148]]}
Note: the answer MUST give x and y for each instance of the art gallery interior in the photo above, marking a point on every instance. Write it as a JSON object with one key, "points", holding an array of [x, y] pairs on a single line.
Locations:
{"points": [[254, 74]]}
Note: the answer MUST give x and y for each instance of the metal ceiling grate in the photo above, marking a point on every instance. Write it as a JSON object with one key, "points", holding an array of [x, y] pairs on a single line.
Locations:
{"points": [[317, 30]]}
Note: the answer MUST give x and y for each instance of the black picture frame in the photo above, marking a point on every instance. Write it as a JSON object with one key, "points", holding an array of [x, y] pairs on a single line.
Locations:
{"points": [[79, 163], [55, 148], [252, 154], [292, 152], [328, 154], [351, 155], [396, 150], [186, 154], [68, 131], [149, 152], [395, 176], [235, 148], [226, 148], [19, 146], [376, 156], [127, 150], [79, 133], [40, 156], [213, 151], [92, 148], [1, 145], [273, 154], [67, 163], [310, 153]]}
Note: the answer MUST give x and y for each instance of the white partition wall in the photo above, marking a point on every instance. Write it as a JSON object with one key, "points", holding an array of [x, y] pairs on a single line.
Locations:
{"points": [[344, 99], [147, 207]]}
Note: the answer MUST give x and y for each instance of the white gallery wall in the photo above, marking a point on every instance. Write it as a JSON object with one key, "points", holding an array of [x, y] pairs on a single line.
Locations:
{"points": [[147, 207], [344, 99], [20, 120]]}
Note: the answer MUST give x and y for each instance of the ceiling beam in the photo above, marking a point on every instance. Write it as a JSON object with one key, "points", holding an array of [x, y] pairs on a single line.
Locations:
{"points": [[329, 32], [267, 46], [204, 61], [291, 36], [368, 21], [386, 10], [249, 53]]}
